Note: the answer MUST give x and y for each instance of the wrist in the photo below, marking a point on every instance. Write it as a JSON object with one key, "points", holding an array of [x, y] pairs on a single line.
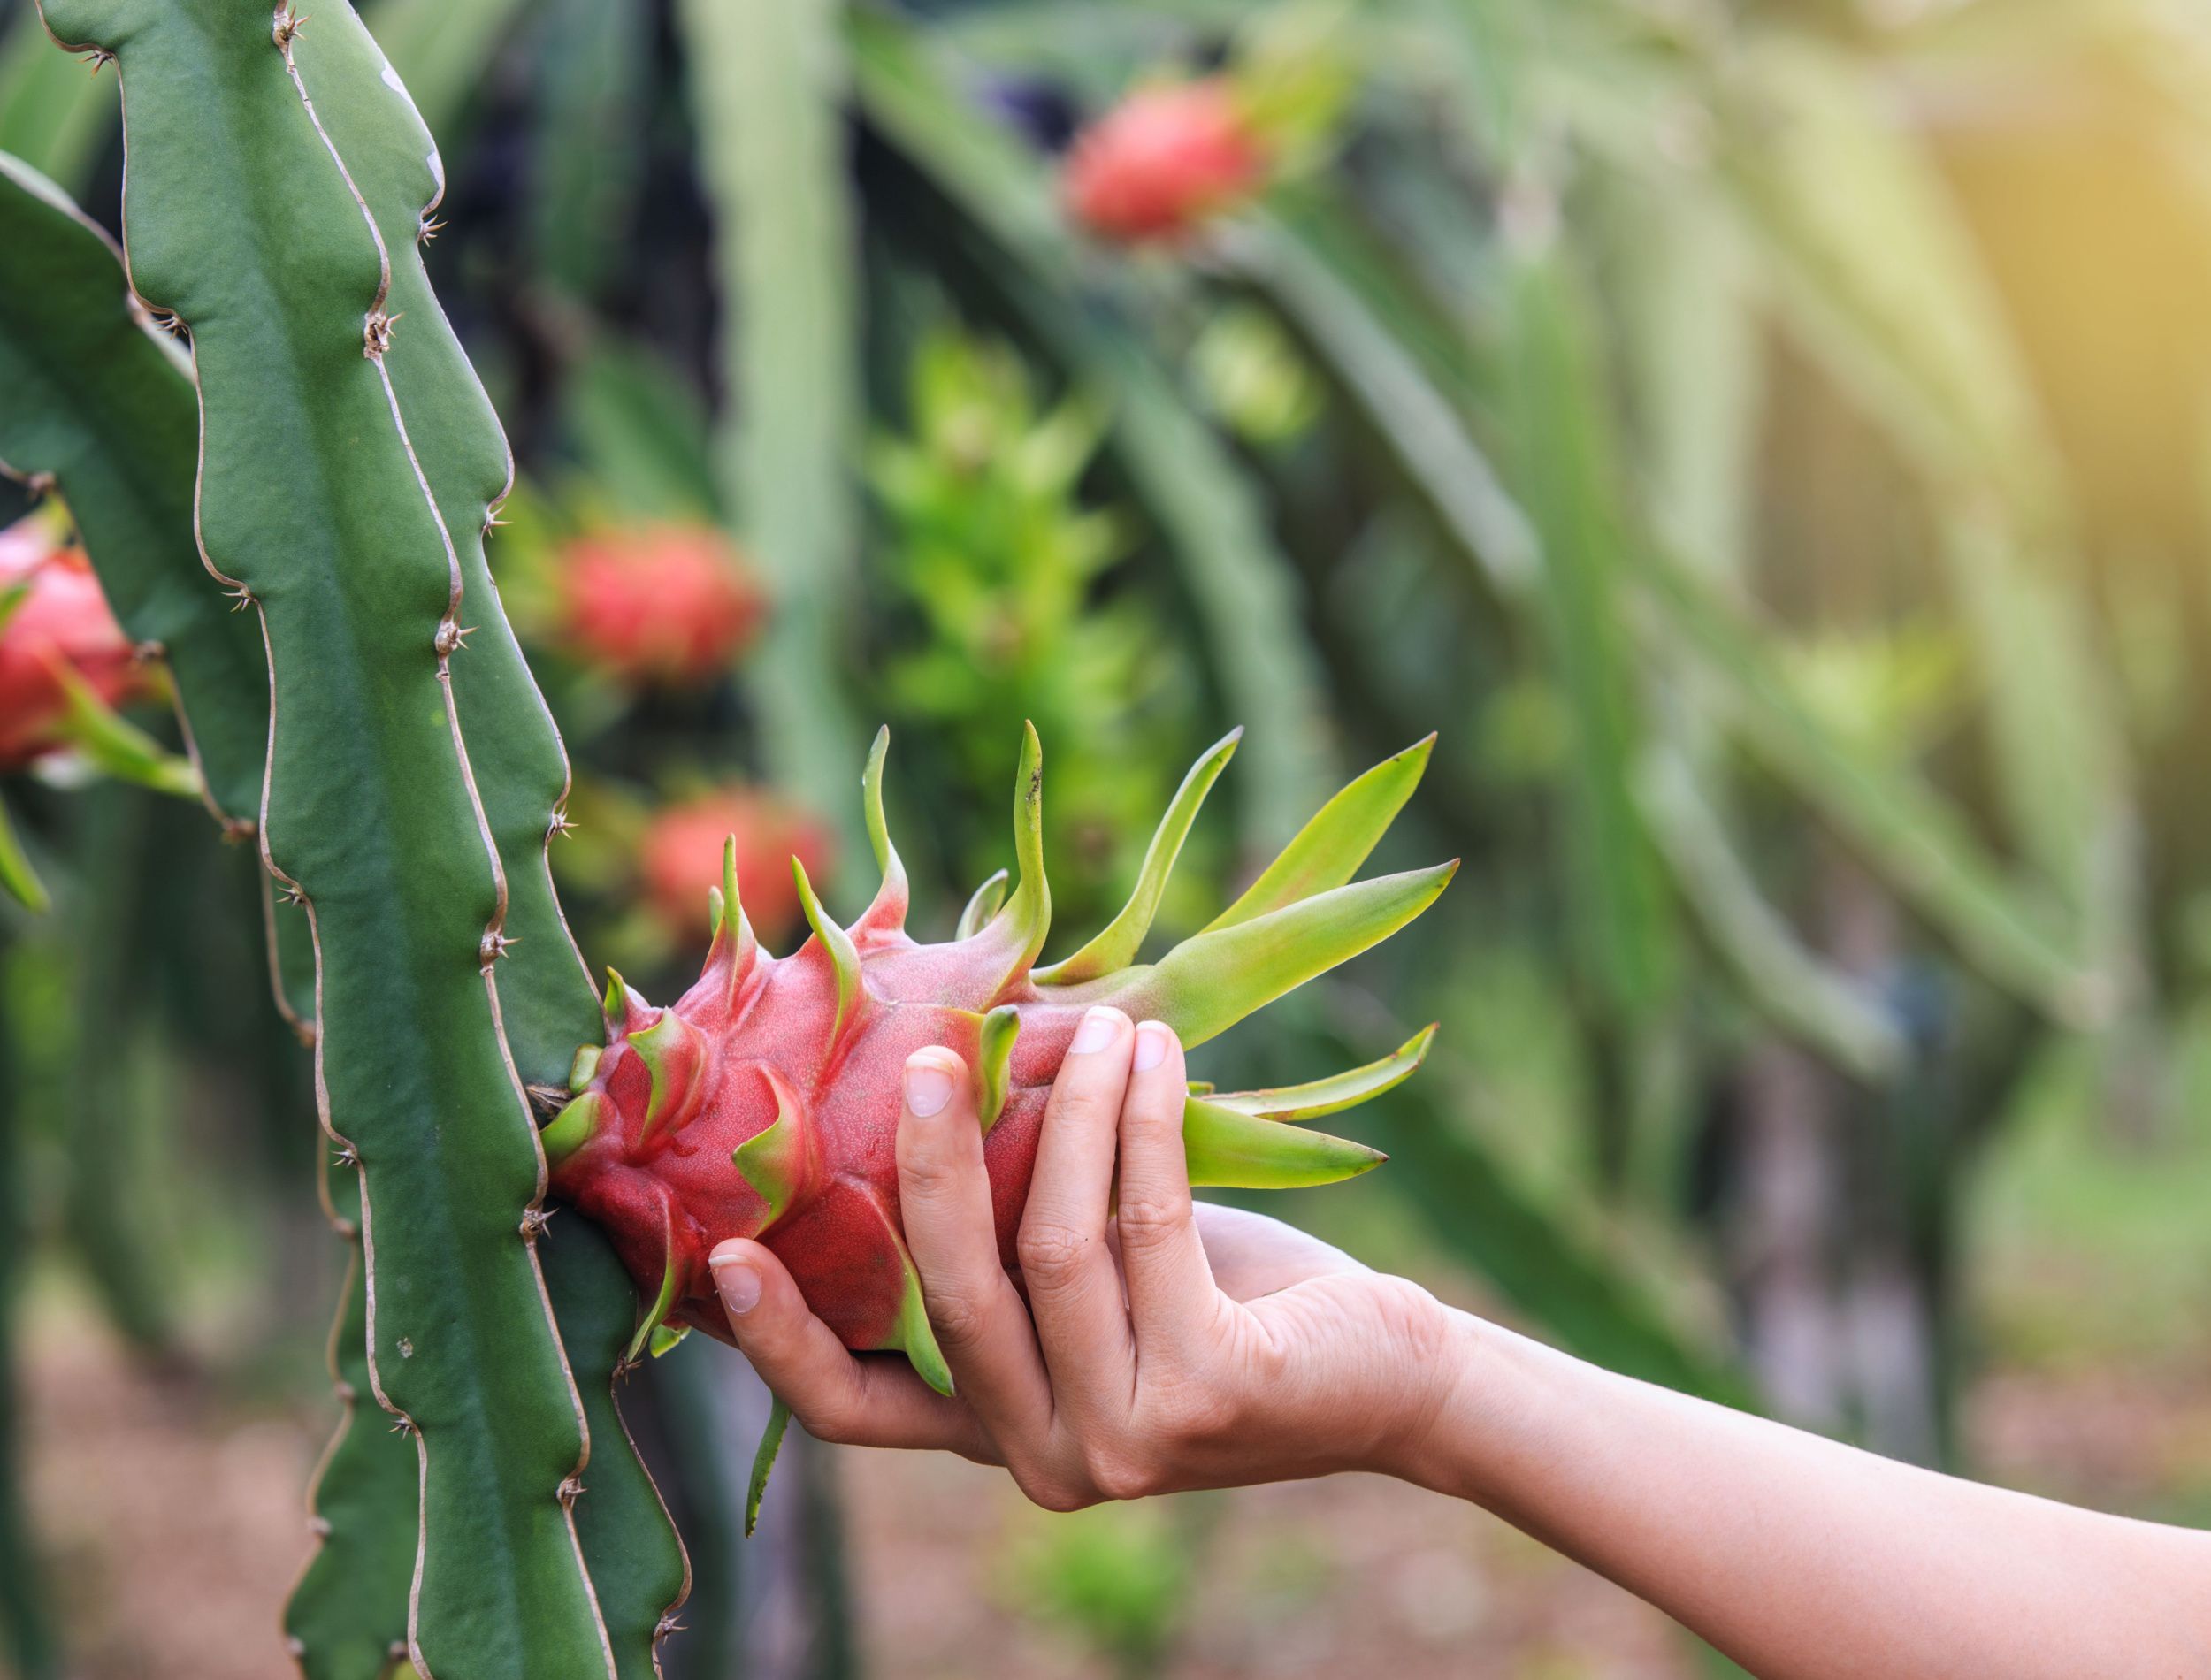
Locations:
{"points": [[1468, 1412]]}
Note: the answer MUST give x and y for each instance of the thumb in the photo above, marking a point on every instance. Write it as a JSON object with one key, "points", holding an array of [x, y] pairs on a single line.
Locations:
{"points": [[837, 1396]]}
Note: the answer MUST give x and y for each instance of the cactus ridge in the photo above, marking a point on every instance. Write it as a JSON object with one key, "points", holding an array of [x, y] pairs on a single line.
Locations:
{"points": [[764, 1102], [277, 186]]}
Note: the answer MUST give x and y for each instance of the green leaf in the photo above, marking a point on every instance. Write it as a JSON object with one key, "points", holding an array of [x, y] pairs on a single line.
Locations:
{"points": [[1787, 983], [1229, 1150], [982, 906], [1917, 841], [763, 1461], [1208, 983], [1116, 945], [1321, 1097], [994, 1051], [93, 396], [588, 138], [17, 879], [118, 748], [767, 83], [1022, 926], [836, 943], [1329, 850], [1554, 413]]}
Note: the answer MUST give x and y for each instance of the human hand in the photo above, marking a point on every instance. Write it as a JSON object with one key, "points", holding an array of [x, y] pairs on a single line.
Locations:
{"points": [[1164, 1345]]}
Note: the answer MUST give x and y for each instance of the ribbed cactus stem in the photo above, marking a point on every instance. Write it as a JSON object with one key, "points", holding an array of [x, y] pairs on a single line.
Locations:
{"points": [[278, 183]]}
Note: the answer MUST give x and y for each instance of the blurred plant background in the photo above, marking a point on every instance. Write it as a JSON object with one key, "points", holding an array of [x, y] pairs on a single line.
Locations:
{"points": [[1767, 441]]}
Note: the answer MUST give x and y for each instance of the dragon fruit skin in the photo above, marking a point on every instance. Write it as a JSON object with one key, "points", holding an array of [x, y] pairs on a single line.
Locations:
{"points": [[60, 623], [1163, 160], [765, 1102]]}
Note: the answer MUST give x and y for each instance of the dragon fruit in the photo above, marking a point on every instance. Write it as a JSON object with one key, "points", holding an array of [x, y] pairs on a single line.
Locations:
{"points": [[664, 604], [55, 628], [764, 1102], [677, 857], [1162, 162]]}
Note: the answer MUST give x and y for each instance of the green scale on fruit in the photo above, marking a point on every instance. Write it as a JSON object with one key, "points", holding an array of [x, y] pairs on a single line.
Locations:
{"points": [[765, 1102]]}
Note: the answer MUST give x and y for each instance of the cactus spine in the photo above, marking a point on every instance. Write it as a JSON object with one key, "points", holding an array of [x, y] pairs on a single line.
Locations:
{"points": [[278, 181]]}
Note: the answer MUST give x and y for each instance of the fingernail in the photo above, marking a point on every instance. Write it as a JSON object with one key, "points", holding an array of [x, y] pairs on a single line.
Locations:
{"points": [[1095, 1032], [738, 1279], [1153, 1038], [927, 1085]]}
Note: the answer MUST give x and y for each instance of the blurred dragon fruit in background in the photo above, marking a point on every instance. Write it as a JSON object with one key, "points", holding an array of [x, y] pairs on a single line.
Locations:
{"points": [[55, 627], [657, 605], [1163, 162], [680, 858]]}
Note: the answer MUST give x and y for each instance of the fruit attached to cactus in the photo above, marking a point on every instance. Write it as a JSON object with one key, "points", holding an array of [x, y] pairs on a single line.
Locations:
{"points": [[667, 605], [764, 1102], [55, 629], [1164, 161], [680, 857]]}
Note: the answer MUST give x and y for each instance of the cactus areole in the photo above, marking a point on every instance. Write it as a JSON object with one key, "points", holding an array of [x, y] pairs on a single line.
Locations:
{"points": [[764, 1102]]}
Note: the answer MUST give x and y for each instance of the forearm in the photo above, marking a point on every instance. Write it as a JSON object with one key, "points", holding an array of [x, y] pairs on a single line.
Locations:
{"points": [[1800, 1558]]}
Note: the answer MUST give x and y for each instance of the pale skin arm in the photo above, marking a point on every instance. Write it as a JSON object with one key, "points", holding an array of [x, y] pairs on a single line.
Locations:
{"points": [[1165, 1346]]}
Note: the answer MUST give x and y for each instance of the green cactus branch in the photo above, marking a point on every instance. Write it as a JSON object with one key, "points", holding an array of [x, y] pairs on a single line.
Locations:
{"points": [[96, 400], [279, 182], [346, 1618]]}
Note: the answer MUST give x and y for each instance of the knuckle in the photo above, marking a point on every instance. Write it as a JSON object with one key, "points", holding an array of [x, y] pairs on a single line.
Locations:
{"points": [[928, 1174], [1148, 1221], [958, 1315], [1117, 1473], [1051, 1253]]}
